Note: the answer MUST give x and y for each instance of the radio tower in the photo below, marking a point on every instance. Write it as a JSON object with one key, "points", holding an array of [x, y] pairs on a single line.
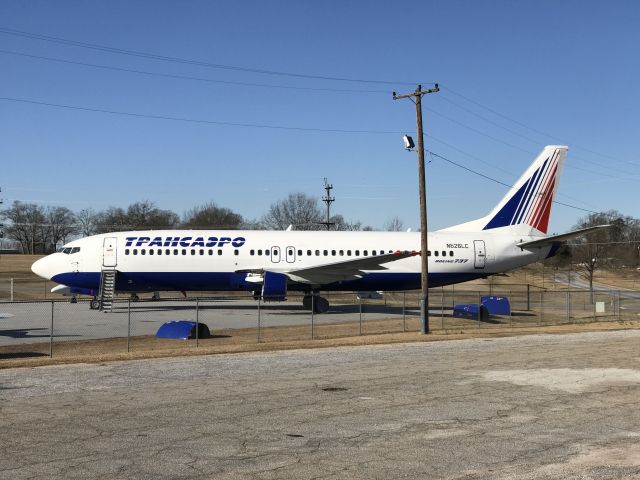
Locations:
{"points": [[328, 199]]}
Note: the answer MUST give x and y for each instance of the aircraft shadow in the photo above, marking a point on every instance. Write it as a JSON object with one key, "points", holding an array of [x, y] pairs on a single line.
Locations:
{"points": [[14, 355], [27, 333]]}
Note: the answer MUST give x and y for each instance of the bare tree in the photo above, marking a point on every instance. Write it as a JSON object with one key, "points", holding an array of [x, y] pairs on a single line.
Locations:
{"points": [[26, 227], [86, 219], [138, 216], [60, 223], [145, 215], [394, 225], [298, 209], [210, 215], [339, 223], [113, 219], [595, 249]]}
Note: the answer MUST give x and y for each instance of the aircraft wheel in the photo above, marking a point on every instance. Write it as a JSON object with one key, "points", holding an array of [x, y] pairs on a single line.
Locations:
{"points": [[94, 304], [320, 305], [135, 297], [73, 300], [306, 302]]}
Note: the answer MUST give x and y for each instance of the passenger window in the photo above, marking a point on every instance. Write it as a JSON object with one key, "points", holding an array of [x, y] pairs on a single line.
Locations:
{"points": [[159, 251], [373, 252], [365, 253], [193, 251], [299, 253], [184, 251], [436, 253], [202, 251], [348, 253], [451, 253], [210, 252], [143, 251], [252, 252], [341, 253], [317, 253], [236, 252], [333, 253], [151, 251], [308, 253], [444, 253], [175, 252], [167, 252], [428, 253], [326, 252], [219, 251], [357, 253], [126, 251], [135, 251]]}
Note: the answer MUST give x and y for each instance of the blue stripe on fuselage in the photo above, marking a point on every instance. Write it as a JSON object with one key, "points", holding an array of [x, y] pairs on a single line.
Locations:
{"points": [[228, 281]]}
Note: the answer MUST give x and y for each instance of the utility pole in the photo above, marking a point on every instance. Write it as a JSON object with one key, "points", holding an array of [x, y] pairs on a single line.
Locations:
{"points": [[424, 300], [328, 199]]}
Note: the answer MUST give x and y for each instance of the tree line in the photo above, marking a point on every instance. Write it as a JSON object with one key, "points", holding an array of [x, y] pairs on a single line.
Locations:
{"points": [[38, 229]]}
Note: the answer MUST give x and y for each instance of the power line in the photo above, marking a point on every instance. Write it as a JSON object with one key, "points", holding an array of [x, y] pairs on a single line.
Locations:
{"points": [[166, 58], [275, 127], [192, 120], [513, 132], [188, 77], [475, 172], [489, 109], [511, 145]]}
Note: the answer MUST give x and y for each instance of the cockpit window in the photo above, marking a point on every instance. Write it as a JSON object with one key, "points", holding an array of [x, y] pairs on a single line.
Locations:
{"points": [[75, 250], [66, 251]]}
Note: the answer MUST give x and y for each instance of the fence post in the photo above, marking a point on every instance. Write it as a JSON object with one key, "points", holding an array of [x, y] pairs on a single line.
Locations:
{"points": [[360, 308], [568, 307], [129, 325], [618, 306], [12, 289], [540, 317], [442, 308], [528, 297], [197, 321], [479, 308], [312, 314], [51, 332], [259, 300], [404, 311]]}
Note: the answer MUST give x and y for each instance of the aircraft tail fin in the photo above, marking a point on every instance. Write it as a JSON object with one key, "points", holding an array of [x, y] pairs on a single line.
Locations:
{"points": [[527, 205]]}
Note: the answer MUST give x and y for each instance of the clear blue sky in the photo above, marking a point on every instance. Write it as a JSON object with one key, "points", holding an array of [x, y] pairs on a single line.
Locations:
{"points": [[567, 71]]}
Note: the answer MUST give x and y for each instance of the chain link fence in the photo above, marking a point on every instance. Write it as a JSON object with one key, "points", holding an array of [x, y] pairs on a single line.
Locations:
{"points": [[60, 328]]}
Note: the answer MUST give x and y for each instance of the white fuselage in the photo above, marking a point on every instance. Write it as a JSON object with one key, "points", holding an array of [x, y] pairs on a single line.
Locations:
{"points": [[180, 260]]}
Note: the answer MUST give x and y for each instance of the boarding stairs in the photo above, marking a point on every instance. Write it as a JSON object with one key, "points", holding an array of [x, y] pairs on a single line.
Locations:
{"points": [[107, 288]]}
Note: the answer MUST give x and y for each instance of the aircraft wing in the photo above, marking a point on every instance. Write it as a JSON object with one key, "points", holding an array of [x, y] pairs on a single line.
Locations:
{"points": [[546, 241], [334, 272]]}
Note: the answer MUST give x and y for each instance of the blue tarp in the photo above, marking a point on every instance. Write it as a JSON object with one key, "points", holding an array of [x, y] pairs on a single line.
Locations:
{"points": [[497, 305], [182, 330], [470, 310]]}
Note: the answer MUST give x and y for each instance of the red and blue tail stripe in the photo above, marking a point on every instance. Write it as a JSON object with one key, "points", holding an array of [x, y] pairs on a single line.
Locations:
{"points": [[531, 203]]}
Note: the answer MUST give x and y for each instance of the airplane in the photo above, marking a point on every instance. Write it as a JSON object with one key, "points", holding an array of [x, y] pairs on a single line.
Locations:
{"points": [[271, 263]]}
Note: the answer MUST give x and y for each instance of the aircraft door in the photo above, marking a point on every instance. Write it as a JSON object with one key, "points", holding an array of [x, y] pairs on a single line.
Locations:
{"points": [[290, 255], [480, 254], [275, 254], [110, 252]]}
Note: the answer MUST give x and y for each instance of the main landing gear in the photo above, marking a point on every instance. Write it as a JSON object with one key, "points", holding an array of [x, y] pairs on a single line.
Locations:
{"points": [[320, 304]]}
